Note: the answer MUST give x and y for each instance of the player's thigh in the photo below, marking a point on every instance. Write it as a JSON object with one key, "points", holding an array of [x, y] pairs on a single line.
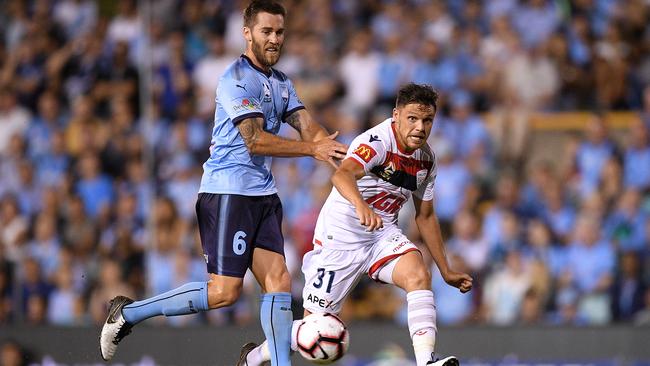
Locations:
{"points": [[330, 275], [268, 234], [227, 225], [268, 257], [396, 260], [270, 271]]}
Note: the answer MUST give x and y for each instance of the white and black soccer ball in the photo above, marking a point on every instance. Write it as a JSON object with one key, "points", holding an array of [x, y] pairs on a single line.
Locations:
{"points": [[322, 338]]}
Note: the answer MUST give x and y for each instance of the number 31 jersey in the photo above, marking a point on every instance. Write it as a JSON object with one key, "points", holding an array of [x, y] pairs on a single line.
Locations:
{"points": [[392, 175]]}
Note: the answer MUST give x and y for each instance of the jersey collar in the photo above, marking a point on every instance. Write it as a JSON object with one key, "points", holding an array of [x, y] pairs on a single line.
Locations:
{"points": [[250, 62], [399, 146]]}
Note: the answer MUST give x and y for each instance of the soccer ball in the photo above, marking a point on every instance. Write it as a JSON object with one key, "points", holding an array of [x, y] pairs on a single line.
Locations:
{"points": [[322, 338]]}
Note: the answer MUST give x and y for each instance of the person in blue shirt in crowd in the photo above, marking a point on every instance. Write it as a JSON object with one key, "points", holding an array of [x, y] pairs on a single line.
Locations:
{"points": [[238, 210]]}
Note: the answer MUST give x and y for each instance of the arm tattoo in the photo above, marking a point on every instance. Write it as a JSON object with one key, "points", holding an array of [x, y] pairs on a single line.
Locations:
{"points": [[294, 121], [250, 129]]}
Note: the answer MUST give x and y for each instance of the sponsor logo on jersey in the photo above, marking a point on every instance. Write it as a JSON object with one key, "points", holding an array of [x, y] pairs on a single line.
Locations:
{"points": [[284, 91], [421, 176], [386, 202], [374, 138], [365, 152], [323, 303], [206, 258], [246, 104], [399, 246]]}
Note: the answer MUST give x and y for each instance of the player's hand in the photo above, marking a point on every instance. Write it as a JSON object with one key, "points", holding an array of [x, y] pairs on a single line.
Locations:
{"points": [[369, 218], [329, 150], [461, 281]]}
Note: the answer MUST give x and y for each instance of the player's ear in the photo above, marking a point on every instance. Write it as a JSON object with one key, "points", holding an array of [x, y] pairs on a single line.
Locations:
{"points": [[248, 35], [395, 114]]}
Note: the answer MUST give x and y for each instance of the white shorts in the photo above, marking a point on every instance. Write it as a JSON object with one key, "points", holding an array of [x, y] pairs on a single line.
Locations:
{"points": [[330, 274]]}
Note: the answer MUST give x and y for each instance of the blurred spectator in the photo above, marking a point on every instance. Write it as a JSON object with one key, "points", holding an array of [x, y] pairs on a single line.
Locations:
{"points": [[535, 20], [35, 289], [94, 187], [452, 307], [85, 131], [63, 300], [14, 119], [359, 68], [13, 228], [205, 74], [13, 354], [590, 268], [466, 242], [505, 289], [592, 154], [557, 211], [76, 17], [435, 68], [45, 247], [637, 157], [628, 289], [126, 26], [625, 225], [453, 178], [529, 82], [110, 283]]}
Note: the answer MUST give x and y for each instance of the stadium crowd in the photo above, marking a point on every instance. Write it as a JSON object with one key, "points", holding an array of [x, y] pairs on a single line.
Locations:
{"points": [[106, 110]]}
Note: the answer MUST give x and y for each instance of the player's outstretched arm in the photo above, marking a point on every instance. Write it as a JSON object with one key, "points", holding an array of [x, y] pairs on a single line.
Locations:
{"points": [[260, 142], [309, 129], [345, 180], [427, 222]]}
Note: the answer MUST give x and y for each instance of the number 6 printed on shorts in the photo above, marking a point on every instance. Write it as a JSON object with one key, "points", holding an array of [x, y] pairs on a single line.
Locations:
{"points": [[238, 243]]}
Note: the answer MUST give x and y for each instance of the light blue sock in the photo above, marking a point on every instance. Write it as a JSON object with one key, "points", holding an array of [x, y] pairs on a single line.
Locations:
{"points": [[188, 299], [277, 318]]}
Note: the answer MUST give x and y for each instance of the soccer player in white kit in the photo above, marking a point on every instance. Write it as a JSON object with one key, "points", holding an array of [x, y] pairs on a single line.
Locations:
{"points": [[357, 233]]}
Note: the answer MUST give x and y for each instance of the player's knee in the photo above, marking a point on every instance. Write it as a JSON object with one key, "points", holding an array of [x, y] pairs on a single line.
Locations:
{"points": [[220, 296], [418, 280], [279, 281]]}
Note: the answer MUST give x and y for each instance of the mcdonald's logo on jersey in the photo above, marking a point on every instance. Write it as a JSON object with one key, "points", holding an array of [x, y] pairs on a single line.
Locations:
{"points": [[365, 152]]}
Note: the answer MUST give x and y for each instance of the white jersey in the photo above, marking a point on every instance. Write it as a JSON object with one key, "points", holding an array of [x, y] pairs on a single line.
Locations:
{"points": [[392, 175]]}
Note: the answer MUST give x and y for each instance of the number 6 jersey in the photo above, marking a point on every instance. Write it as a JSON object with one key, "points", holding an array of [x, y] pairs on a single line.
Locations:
{"points": [[392, 175]]}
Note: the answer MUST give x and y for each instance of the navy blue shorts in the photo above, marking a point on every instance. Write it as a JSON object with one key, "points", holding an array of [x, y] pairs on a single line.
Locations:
{"points": [[232, 226]]}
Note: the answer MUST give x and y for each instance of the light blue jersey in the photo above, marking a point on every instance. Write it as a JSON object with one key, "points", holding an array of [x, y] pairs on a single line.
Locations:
{"points": [[246, 91]]}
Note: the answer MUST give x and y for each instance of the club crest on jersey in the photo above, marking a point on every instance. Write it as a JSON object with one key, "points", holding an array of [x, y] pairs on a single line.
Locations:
{"points": [[421, 175], [365, 152], [267, 93], [388, 171]]}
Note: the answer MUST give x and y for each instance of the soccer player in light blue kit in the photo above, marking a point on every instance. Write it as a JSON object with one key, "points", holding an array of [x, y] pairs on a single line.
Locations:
{"points": [[238, 210]]}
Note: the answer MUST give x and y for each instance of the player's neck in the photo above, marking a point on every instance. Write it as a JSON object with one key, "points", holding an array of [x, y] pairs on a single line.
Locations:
{"points": [[256, 63]]}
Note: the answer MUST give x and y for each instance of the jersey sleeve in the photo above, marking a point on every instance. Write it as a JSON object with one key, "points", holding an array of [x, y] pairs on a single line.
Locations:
{"points": [[293, 102], [239, 99], [425, 191], [366, 153]]}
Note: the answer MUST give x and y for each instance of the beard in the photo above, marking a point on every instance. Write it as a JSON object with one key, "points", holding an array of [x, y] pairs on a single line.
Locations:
{"points": [[265, 58]]}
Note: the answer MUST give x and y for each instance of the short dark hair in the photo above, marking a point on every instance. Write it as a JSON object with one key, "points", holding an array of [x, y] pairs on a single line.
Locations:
{"points": [[417, 94], [262, 6]]}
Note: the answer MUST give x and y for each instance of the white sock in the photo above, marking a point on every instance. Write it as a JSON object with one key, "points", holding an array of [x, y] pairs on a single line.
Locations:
{"points": [[422, 324], [261, 353]]}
